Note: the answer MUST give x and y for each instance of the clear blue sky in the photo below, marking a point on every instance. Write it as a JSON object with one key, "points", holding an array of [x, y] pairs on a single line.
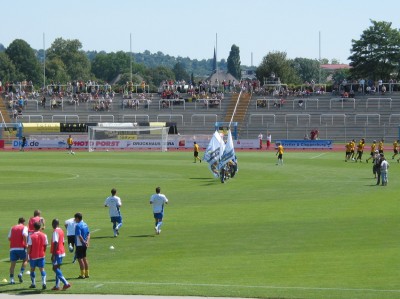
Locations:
{"points": [[188, 28]]}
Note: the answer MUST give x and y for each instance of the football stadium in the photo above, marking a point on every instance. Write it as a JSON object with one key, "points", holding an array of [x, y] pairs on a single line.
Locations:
{"points": [[314, 227], [147, 174]]}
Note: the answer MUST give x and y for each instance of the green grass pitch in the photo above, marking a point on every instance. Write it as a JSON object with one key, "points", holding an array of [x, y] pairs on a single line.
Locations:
{"points": [[315, 228]]}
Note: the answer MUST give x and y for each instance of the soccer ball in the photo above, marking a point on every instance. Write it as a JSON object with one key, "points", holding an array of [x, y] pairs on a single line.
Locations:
{"points": [[73, 153], [28, 272], [70, 248], [111, 247]]}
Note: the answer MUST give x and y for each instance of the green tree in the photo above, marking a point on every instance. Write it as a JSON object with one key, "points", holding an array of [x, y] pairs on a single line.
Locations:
{"points": [[56, 71], [234, 62], [276, 63], [26, 64], [159, 74], [339, 75], [377, 53], [308, 69], [108, 66], [7, 68], [180, 72], [75, 60]]}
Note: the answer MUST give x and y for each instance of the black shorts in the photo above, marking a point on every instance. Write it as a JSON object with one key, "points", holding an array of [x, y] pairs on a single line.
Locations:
{"points": [[196, 154], [80, 252], [395, 151], [279, 156], [71, 240]]}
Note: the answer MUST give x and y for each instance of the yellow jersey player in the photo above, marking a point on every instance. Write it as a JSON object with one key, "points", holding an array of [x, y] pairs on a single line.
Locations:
{"points": [[196, 149], [372, 154], [381, 147], [279, 153], [360, 149], [353, 149], [70, 142], [395, 148]]}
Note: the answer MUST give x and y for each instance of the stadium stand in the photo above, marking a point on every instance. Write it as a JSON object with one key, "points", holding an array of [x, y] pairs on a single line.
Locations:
{"points": [[290, 117]]}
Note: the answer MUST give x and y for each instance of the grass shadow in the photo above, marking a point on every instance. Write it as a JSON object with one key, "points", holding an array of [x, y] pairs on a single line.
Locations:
{"points": [[142, 236]]}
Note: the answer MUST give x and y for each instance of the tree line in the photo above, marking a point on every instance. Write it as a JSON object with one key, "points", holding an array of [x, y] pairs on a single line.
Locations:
{"points": [[375, 56]]}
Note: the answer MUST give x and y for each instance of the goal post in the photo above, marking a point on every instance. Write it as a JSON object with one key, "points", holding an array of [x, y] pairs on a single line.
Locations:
{"points": [[106, 138]]}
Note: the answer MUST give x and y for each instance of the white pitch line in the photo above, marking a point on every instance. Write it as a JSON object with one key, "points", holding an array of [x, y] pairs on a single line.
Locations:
{"points": [[98, 286], [250, 286], [95, 230], [318, 156]]}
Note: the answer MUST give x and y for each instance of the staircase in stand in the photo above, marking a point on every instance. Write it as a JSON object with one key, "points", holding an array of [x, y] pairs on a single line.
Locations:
{"points": [[241, 109]]}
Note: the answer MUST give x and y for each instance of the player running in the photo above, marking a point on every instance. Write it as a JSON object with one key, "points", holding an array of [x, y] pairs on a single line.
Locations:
{"points": [[279, 153], [352, 149], [114, 203], [196, 150], [381, 146], [395, 148], [372, 154], [360, 149], [158, 200]]}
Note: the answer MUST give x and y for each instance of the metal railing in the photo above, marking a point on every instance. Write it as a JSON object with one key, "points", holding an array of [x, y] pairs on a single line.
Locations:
{"points": [[342, 100], [379, 102], [204, 116], [332, 116], [262, 115], [30, 116], [135, 116], [368, 116], [65, 116], [170, 116], [99, 116], [297, 116]]}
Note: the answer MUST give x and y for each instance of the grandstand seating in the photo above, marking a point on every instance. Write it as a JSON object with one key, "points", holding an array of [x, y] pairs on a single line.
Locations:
{"points": [[292, 118]]}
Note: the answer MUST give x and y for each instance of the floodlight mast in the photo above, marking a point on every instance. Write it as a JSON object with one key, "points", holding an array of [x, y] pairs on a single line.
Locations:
{"points": [[130, 52]]}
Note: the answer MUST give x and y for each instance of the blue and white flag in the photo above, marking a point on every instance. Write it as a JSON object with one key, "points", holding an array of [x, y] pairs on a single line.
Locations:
{"points": [[214, 152], [228, 153]]}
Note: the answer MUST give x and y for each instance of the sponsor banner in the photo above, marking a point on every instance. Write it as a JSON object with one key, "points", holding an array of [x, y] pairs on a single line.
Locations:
{"points": [[99, 144], [247, 143], [173, 143], [41, 127], [309, 144]]}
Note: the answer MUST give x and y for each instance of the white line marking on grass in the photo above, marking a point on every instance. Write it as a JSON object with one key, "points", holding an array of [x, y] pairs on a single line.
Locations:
{"points": [[98, 286], [250, 286], [5, 260], [95, 230], [317, 156]]}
